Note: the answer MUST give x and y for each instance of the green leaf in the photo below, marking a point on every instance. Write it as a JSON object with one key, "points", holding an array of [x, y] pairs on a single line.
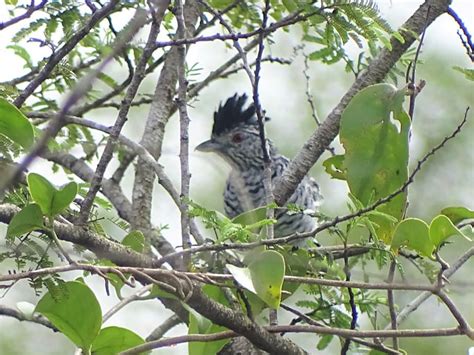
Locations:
{"points": [[113, 340], [468, 73], [414, 234], [42, 192], [201, 325], [457, 214], [107, 80], [398, 36], [51, 200], [334, 166], [77, 314], [63, 197], [15, 125], [324, 341], [135, 240], [27, 220], [441, 228], [11, 2], [374, 133], [290, 5], [22, 53], [250, 217], [263, 276]]}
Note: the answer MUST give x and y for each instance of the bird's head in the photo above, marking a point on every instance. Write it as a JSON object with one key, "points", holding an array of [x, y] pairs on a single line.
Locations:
{"points": [[235, 135]]}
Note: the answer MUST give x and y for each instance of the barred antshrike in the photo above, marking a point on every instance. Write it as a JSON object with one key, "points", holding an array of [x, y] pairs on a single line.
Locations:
{"points": [[235, 137]]}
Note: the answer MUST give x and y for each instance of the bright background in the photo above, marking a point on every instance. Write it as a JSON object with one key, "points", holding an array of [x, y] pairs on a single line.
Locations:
{"points": [[446, 180]]}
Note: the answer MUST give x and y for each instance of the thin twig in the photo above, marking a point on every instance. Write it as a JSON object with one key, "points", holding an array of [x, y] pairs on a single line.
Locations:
{"points": [[411, 109], [405, 333], [161, 330], [29, 11], [235, 38], [463, 324], [467, 43], [350, 291], [413, 305], [135, 296], [391, 303]]}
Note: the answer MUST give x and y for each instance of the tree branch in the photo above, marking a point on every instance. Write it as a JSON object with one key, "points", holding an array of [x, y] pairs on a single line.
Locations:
{"points": [[29, 11]]}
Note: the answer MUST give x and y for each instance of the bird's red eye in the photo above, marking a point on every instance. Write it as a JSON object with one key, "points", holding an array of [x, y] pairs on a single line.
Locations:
{"points": [[237, 138]]}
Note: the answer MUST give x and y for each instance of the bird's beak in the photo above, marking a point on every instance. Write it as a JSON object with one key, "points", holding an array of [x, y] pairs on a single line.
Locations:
{"points": [[208, 146]]}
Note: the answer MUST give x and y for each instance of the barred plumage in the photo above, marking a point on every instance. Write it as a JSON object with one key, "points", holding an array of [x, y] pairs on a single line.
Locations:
{"points": [[235, 137]]}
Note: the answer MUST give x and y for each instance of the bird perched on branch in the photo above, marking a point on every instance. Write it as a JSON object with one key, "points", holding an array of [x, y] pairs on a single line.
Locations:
{"points": [[235, 138]]}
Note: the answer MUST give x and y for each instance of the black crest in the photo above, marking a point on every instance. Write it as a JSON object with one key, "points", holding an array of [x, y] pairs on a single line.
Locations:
{"points": [[232, 114]]}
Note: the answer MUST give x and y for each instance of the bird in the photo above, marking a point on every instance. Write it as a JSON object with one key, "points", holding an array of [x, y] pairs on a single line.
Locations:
{"points": [[236, 139]]}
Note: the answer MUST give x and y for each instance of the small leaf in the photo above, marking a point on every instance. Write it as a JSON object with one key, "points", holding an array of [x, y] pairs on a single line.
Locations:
{"points": [[15, 125], [398, 36], [63, 197], [77, 314], [457, 214], [27, 220], [42, 192], [263, 276], [334, 166], [107, 80], [135, 240], [414, 234], [324, 341], [113, 340], [441, 228]]}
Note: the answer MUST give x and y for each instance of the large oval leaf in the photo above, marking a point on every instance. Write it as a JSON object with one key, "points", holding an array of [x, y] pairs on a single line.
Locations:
{"points": [[413, 233], [113, 340], [15, 125], [76, 313], [263, 276], [374, 133]]}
